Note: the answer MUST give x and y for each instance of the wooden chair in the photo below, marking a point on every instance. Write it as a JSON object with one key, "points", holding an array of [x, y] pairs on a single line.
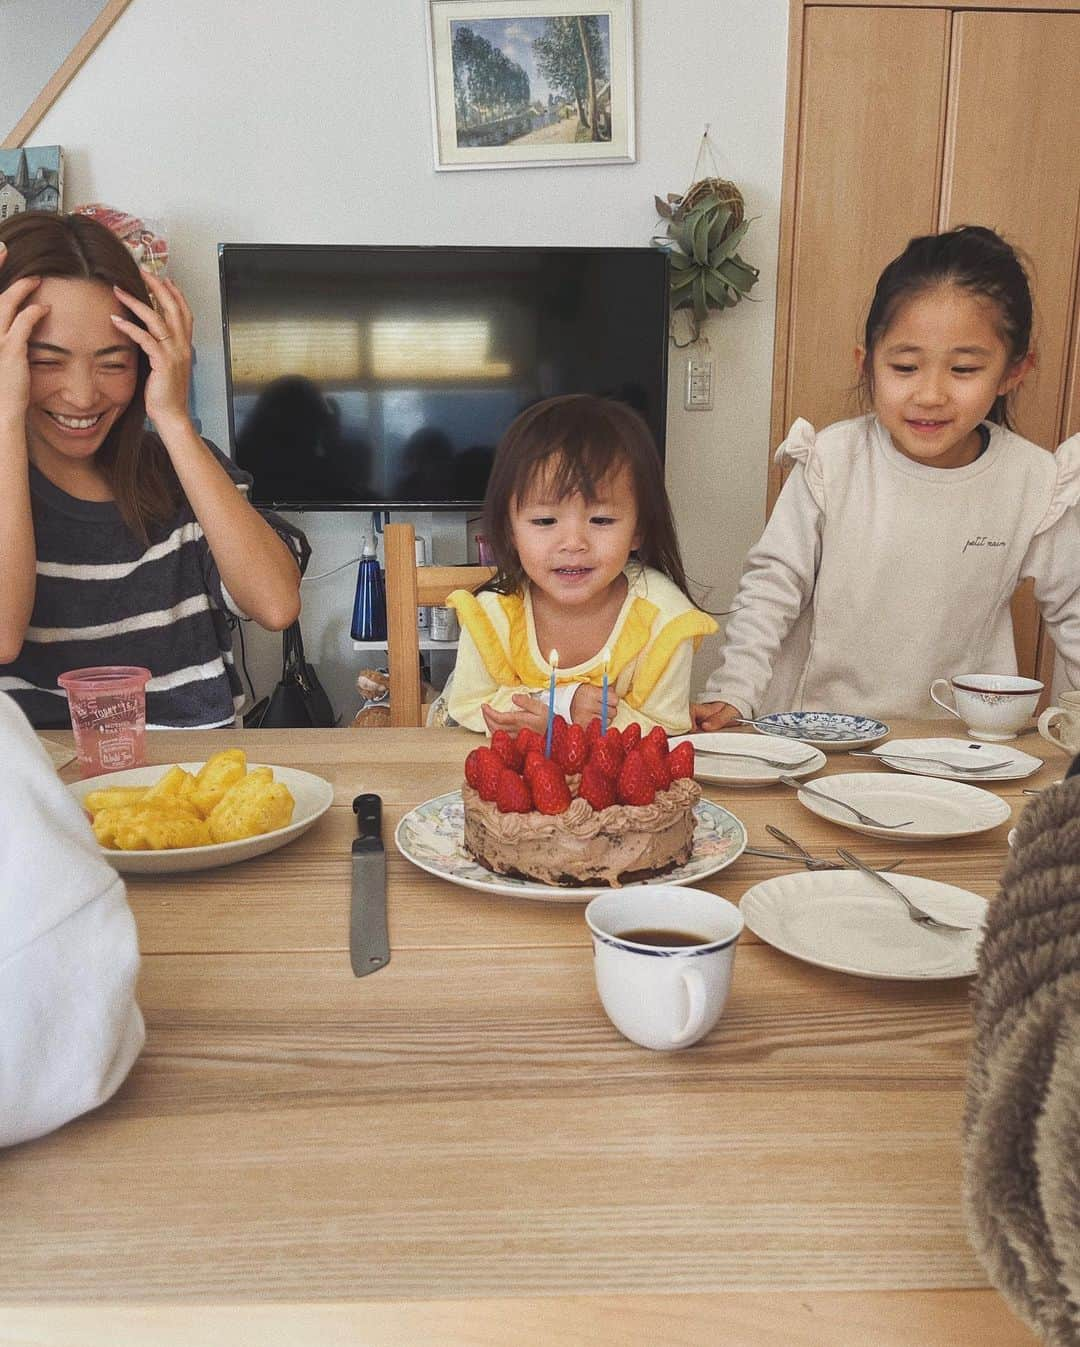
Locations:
{"points": [[409, 586]]}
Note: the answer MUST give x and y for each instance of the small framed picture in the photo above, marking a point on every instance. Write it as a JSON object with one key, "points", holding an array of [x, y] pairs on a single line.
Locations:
{"points": [[529, 83]]}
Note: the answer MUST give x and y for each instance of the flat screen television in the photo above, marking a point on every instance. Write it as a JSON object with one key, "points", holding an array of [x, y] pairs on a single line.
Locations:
{"points": [[383, 377]]}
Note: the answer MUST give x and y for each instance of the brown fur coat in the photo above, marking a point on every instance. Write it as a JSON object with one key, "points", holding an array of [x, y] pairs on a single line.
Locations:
{"points": [[1022, 1128]]}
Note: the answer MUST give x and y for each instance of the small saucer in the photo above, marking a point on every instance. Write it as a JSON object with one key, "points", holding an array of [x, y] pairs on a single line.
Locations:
{"points": [[903, 756], [824, 729]]}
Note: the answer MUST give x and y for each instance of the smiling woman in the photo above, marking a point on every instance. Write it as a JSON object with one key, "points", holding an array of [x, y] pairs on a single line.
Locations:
{"points": [[122, 546], [83, 375]]}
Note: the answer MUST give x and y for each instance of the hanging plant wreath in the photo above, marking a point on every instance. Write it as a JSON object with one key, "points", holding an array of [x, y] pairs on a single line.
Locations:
{"points": [[704, 227]]}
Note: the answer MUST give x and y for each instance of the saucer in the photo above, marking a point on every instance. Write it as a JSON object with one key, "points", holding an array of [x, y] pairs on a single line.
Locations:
{"points": [[730, 759], [824, 729], [1014, 765]]}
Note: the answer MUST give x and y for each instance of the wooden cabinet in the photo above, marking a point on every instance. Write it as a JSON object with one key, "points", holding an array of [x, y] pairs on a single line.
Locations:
{"points": [[904, 120]]}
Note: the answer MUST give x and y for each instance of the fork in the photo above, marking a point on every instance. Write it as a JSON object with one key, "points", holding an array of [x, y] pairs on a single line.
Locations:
{"points": [[922, 757], [774, 831], [821, 795], [756, 757], [811, 861], [917, 915]]}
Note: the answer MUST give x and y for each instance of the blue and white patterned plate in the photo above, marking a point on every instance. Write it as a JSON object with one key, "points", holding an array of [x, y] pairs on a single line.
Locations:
{"points": [[431, 836], [823, 729]]}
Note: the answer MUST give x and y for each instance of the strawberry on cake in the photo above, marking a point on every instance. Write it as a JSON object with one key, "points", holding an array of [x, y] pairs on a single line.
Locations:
{"points": [[602, 810]]}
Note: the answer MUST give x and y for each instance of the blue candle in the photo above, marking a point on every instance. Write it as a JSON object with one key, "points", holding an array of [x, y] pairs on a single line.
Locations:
{"points": [[606, 657], [553, 660]]}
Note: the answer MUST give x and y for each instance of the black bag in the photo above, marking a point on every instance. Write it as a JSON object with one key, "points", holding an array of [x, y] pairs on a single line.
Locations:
{"points": [[298, 701]]}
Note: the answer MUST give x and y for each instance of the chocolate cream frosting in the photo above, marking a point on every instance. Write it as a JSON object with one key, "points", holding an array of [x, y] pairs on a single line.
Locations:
{"points": [[583, 845]]}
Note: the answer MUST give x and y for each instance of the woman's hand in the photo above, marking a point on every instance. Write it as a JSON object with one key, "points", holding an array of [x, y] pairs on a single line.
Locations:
{"points": [[713, 715], [18, 318], [587, 704], [166, 342], [530, 714]]}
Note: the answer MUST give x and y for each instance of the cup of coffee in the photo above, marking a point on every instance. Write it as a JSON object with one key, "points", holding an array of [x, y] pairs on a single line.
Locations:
{"points": [[1060, 725], [108, 715], [992, 706], [663, 958]]}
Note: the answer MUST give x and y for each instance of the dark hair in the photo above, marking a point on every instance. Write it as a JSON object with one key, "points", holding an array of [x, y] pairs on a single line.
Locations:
{"points": [[972, 258], [75, 247], [585, 439]]}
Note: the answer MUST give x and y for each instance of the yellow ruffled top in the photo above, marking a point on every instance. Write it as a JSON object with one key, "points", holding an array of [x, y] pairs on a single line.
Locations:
{"points": [[656, 623]]}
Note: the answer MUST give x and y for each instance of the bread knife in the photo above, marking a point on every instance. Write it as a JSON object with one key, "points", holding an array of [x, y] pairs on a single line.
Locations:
{"points": [[369, 944]]}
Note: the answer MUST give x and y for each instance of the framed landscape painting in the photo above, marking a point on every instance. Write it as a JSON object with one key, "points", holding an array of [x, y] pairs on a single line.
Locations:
{"points": [[529, 83]]}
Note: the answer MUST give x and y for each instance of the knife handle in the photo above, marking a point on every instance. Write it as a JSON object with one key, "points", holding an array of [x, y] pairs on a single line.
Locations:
{"points": [[368, 811], [369, 944]]}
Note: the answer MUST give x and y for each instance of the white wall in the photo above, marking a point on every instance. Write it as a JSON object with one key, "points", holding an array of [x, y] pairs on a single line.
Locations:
{"points": [[36, 37], [269, 121]]}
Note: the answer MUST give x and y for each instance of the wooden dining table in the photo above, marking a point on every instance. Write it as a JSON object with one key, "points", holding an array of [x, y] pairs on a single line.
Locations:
{"points": [[461, 1149]]}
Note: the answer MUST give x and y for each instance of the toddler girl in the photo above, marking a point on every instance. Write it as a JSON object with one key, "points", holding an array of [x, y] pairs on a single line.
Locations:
{"points": [[899, 538], [587, 560], [119, 546]]}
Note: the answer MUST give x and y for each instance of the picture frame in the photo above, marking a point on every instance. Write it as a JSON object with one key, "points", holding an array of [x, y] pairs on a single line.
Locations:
{"points": [[531, 83]]}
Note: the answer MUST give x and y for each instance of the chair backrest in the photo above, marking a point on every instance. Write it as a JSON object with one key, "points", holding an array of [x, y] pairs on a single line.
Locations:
{"points": [[409, 586]]}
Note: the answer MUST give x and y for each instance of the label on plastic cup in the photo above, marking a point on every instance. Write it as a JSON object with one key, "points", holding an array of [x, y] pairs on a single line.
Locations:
{"points": [[108, 716]]}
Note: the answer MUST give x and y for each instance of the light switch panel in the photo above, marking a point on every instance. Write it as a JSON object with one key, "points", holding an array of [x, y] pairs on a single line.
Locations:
{"points": [[699, 385]]}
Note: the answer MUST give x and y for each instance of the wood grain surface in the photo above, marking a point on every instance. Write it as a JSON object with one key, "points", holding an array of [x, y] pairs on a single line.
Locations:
{"points": [[464, 1141]]}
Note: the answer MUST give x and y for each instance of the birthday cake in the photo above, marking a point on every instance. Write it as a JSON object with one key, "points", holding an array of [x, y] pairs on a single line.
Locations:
{"points": [[603, 809]]}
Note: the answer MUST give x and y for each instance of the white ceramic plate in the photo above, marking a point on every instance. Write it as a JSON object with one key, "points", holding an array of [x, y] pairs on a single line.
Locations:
{"points": [[312, 794], [713, 763], [1015, 764], [935, 808], [823, 729], [843, 920], [431, 836]]}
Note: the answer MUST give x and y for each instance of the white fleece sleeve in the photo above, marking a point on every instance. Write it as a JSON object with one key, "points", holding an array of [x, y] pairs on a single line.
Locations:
{"points": [[777, 584], [69, 1026], [1053, 561], [473, 686]]}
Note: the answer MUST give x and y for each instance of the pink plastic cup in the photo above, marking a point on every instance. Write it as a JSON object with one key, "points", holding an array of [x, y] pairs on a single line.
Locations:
{"points": [[108, 715]]}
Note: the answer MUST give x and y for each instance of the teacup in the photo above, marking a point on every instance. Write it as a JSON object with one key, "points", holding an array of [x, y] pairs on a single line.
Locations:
{"points": [[1060, 725], [992, 706], [663, 958]]}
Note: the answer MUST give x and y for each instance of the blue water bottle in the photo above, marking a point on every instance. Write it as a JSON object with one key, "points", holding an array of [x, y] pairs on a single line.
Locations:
{"points": [[369, 606]]}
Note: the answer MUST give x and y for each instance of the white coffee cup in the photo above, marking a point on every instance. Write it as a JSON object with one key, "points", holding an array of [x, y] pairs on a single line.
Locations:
{"points": [[992, 706], [663, 995], [1060, 725]]}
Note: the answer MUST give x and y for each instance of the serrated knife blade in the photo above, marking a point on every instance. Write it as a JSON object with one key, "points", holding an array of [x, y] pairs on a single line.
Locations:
{"points": [[369, 944]]}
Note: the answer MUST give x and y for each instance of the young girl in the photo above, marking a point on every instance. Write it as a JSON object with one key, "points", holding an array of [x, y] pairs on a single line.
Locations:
{"points": [[119, 547], [587, 560], [899, 538]]}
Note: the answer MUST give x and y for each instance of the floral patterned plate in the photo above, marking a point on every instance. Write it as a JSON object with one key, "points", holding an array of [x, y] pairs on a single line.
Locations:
{"points": [[823, 729], [431, 837]]}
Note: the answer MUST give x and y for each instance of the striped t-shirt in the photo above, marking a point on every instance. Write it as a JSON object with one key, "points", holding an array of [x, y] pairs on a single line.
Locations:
{"points": [[104, 598]]}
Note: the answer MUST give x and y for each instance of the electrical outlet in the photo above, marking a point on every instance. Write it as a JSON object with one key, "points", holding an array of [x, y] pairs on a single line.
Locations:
{"points": [[699, 382]]}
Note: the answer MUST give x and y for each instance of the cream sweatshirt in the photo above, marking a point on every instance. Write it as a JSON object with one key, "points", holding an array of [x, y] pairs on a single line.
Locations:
{"points": [[69, 1025], [876, 574]]}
